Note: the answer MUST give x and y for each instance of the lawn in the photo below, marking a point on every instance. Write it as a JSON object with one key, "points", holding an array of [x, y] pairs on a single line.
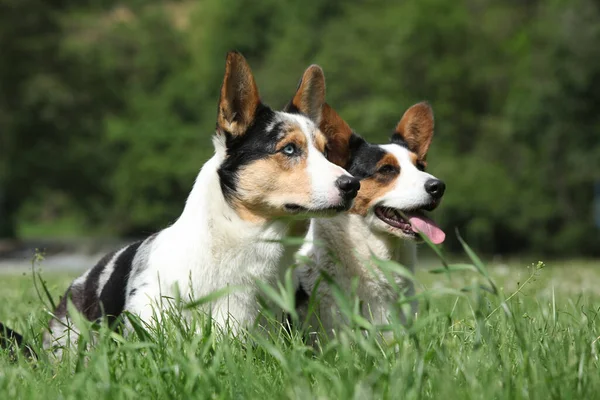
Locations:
{"points": [[537, 337]]}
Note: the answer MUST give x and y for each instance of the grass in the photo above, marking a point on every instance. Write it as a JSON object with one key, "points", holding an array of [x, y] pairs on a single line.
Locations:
{"points": [[537, 337]]}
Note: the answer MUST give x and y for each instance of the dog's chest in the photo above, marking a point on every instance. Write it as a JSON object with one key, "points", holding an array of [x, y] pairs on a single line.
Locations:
{"points": [[220, 260], [256, 259], [351, 255]]}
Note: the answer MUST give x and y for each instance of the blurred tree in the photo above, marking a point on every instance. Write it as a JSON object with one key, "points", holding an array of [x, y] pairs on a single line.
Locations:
{"points": [[30, 99], [553, 113], [124, 94], [50, 115]]}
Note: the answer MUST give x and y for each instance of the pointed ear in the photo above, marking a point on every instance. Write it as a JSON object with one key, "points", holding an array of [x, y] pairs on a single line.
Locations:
{"points": [[239, 96], [338, 134], [415, 129], [310, 95]]}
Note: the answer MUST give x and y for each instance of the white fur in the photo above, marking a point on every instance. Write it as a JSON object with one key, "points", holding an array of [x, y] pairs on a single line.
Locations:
{"points": [[409, 190], [344, 247], [209, 248], [348, 246]]}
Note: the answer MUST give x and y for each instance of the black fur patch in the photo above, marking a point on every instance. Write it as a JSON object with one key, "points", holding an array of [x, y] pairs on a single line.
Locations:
{"points": [[399, 140], [254, 144], [89, 305], [112, 297], [292, 109], [113, 294], [301, 298], [364, 157]]}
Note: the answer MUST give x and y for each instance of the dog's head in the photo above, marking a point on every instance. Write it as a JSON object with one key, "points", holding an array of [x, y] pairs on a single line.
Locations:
{"points": [[395, 189], [273, 162]]}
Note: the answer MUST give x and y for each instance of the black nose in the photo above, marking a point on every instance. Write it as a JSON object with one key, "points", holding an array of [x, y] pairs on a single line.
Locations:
{"points": [[435, 188], [348, 185]]}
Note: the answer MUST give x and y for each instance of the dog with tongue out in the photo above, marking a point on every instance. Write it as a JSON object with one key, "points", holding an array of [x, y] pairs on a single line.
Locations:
{"points": [[387, 219]]}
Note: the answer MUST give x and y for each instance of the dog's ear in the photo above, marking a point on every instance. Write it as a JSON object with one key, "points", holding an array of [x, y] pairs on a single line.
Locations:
{"points": [[310, 95], [338, 134], [415, 129], [239, 96]]}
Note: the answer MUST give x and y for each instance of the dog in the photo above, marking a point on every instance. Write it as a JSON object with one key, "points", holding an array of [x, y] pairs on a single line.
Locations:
{"points": [[268, 165], [384, 221]]}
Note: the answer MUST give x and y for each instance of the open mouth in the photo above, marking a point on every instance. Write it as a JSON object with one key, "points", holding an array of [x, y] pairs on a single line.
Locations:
{"points": [[298, 209], [411, 223]]}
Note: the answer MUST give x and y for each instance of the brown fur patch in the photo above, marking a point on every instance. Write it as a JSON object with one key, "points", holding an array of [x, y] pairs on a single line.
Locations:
{"points": [[416, 129], [376, 186], [338, 133], [266, 184], [320, 141], [239, 96], [413, 158], [388, 159], [293, 135]]}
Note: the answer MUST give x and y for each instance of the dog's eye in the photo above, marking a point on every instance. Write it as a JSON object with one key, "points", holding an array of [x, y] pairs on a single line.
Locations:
{"points": [[387, 169], [289, 149], [420, 165], [326, 151]]}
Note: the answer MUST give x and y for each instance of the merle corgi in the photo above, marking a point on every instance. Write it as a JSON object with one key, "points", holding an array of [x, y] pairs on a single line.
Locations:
{"points": [[388, 212], [267, 165]]}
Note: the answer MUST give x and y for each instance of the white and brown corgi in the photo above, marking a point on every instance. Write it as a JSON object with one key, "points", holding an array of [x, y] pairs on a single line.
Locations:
{"points": [[383, 222], [267, 165]]}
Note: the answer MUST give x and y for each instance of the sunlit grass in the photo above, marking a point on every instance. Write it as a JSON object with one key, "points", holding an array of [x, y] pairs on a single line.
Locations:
{"points": [[536, 338]]}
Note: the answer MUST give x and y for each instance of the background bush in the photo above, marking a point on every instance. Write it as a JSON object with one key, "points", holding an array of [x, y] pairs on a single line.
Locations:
{"points": [[107, 107]]}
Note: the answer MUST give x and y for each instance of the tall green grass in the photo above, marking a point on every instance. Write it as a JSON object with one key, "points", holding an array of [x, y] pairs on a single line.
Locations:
{"points": [[477, 335]]}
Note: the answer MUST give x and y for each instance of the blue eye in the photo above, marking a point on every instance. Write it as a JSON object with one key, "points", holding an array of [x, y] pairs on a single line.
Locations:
{"points": [[289, 149]]}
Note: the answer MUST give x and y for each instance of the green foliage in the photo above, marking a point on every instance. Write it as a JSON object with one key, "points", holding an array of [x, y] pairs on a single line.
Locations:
{"points": [[112, 104]]}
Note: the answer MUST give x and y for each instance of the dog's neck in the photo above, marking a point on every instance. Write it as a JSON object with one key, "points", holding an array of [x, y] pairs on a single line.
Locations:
{"points": [[213, 243], [349, 238], [344, 247]]}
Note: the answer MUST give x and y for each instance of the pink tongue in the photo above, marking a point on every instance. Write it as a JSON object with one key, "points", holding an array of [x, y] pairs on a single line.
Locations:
{"points": [[428, 228]]}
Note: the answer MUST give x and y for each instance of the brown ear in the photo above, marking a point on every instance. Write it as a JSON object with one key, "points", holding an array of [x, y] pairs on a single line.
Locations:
{"points": [[310, 95], [338, 134], [416, 129], [239, 96]]}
